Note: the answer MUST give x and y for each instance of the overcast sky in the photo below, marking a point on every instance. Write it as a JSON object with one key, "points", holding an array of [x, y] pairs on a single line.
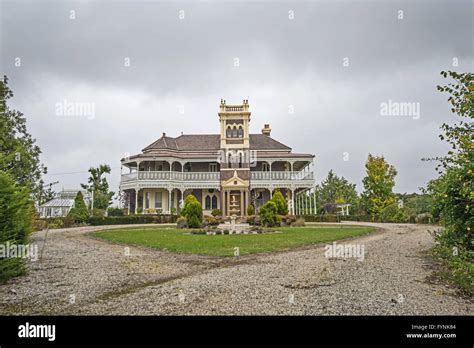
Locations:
{"points": [[317, 71]]}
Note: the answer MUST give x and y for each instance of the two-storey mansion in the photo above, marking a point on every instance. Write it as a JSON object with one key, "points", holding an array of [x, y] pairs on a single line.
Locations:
{"points": [[226, 171]]}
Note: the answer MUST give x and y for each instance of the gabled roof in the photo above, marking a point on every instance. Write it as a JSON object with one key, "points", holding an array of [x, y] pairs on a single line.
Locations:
{"points": [[207, 142]]}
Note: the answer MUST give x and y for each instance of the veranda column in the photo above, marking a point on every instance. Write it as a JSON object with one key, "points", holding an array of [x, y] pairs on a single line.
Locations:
{"points": [[143, 206], [293, 202], [247, 201], [314, 198], [169, 200], [310, 203], [136, 201], [128, 208], [305, 203], [242, 203]]}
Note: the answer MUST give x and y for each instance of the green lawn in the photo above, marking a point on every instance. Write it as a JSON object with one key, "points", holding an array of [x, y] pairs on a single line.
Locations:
{"points": [[178, 240]]}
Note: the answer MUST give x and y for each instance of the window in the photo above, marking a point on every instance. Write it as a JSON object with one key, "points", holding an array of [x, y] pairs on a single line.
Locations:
{"points": [[240, 133], [265, 167], [214, 202], [160, 167], [213, 167], [228, 133], [208, 203], [158, 200], [187, 167]]}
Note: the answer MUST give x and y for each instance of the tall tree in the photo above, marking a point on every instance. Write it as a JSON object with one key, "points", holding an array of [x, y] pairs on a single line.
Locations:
{"points": [[335, 189], [98, 184], [378, 185], [19, 154], [453, 191]]}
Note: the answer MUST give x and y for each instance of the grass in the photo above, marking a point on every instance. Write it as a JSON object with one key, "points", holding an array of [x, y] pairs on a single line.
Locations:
{"points": [[181, 241]]}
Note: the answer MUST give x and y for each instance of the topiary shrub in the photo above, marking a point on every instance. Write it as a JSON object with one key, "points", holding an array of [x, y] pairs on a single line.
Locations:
{"points": [[79, 213], [268, 214], [216, 212], [281, 203], [192, 211], [250, 210]]}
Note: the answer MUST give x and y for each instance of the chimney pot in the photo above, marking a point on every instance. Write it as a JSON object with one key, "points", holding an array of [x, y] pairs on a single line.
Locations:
{"points": [[164, 134], [266, 130]]}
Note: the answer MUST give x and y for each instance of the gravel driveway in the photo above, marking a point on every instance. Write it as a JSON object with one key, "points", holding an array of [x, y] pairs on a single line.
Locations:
{"points": [[78, 274]]}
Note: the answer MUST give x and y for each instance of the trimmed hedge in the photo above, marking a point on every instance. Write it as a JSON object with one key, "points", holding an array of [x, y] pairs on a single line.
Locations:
{"points": [[319, 218], [132, 219]]}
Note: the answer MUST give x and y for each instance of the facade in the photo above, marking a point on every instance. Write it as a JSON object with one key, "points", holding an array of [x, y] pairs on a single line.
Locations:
{"points": [[227, 171], [60, 205]]}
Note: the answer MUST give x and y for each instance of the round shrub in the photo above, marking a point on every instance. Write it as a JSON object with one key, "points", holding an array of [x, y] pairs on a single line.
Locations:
{"points": [[281, 203], [216, 212], [268, 214]]}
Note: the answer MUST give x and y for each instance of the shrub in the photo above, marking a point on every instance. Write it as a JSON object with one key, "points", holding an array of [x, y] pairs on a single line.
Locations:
{"points": [[281, 203], [39, 224], [455, 259], [189, 198], [98, 212], [16, 216], [79, 212], [115, 212], [250, 220], [320, 218], [298, 223], [194, 222], [268, 214], [251, 210], [199, 231], [181, 222], [192, 211], [288, 220], [216, 212], [424, 218], [210, 220], [132, 219]]}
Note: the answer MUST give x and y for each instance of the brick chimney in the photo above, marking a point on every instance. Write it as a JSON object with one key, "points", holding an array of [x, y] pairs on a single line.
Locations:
{"points": [[266, 130]]}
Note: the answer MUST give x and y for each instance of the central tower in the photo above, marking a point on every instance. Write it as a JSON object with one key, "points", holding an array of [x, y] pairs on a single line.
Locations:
{"points": [[235, 166], [234, 121]]}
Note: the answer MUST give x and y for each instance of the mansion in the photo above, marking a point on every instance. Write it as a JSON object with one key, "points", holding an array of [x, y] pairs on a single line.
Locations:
{"points": [[227, 171]]}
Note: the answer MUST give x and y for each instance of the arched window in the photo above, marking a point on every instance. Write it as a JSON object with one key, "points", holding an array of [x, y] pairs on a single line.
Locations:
{"points": [[241, 160], [240, 132], [214, 202], [208, 203], [234, 132], [228, 133]]}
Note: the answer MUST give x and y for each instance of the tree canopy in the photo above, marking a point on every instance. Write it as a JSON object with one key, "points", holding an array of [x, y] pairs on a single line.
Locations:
{"points": [[19, 154], [378, 185]]}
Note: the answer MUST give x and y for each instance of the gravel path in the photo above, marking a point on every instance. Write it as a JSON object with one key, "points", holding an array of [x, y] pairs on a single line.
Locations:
{"points": [[81, 275]]}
